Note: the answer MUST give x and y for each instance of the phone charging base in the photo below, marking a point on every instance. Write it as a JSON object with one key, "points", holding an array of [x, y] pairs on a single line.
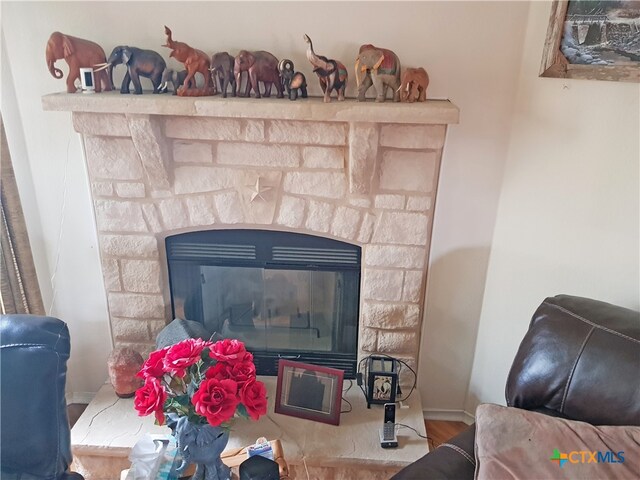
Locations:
{"points": [[388, 442]]}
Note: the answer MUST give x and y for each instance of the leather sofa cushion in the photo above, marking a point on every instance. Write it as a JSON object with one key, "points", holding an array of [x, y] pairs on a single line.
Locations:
{"points": [[579, 358], [515, 443]]}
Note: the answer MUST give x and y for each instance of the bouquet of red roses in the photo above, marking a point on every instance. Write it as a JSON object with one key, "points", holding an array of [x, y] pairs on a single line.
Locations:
{"points": [[205, 381]]}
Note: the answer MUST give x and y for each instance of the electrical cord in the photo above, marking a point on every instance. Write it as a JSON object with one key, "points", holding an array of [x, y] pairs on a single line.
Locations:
{"points": [[417, 433], [345, 400]]}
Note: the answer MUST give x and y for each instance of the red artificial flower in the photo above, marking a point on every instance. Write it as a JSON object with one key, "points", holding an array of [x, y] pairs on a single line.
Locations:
{"points": [[239, 372], [254, 397], [216, 400], [150, 399], [229, 350], [154, 366], [184, 354]]}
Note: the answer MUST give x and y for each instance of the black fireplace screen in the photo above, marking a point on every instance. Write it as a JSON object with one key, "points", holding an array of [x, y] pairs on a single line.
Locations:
{"points": [[286, 295]]}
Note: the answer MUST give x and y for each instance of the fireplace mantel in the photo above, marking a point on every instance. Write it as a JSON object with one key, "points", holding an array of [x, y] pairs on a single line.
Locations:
{"points": [[313, 108]]}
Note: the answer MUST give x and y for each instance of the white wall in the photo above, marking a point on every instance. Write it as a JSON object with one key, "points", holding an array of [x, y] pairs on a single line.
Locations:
{"points": [[568, 218], [471, 50]]}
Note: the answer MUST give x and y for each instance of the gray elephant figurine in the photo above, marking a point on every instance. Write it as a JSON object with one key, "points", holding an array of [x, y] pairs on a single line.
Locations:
{"points": [[201, 444], [292, 81], [380, 68], [145, 63], [262, 67], [222, 69], [174, 78]]}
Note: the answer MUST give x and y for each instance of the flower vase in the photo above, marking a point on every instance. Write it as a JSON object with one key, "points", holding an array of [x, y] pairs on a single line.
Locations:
{"points": [[202, 444]]}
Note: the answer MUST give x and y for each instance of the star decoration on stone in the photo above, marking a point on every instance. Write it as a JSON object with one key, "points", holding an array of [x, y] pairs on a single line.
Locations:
{"points": [[257, 190]]}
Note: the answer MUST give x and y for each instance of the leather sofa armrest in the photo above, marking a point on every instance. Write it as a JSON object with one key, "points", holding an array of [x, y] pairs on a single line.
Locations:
{"points": [[454, 459]]}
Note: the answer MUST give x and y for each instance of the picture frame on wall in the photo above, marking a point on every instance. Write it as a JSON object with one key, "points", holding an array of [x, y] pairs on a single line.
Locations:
{"points": [[309, 391], [593, 40]]}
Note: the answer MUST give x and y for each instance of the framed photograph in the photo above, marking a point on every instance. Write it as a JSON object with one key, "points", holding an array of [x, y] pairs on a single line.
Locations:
{"points": [[593, 40], [309, 391]]}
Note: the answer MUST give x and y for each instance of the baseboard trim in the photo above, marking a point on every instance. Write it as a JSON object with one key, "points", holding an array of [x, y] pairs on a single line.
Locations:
{"points": [[448, 415], [79, 397]]}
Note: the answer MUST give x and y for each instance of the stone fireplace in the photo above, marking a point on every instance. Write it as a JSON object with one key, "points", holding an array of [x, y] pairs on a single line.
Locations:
{"points": [[361, 173]]}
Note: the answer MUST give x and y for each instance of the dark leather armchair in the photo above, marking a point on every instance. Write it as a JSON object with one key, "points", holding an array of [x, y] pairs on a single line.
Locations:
{"points": [[579, 360], [34, 434]]}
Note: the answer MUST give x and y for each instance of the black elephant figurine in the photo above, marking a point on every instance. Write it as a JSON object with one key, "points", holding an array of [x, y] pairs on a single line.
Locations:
{"points": [[145, 63], [170, 76], [262, 67], [222, 68], [292, 81]]}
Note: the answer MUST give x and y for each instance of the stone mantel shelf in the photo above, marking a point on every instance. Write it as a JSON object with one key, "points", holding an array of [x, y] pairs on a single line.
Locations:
{"points": [[312, 108]]}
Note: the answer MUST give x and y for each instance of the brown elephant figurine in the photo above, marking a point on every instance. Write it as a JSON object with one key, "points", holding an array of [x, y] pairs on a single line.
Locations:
{"points": [[195, 61], [262, 67], [331, 73], [414, 85], [78, 53], [222, 69]]}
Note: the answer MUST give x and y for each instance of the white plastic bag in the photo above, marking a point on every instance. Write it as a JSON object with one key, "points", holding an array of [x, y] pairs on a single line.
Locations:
{"points": [[152, 457]]}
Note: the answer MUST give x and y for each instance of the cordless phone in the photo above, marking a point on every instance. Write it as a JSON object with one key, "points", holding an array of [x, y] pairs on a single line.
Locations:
{"points": [[388, 437]]}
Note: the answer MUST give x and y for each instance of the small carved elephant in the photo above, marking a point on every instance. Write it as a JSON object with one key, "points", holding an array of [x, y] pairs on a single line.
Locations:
{"points": [[222, 69], [414, 85], [174, 78], [140, 63], [292, 81]]}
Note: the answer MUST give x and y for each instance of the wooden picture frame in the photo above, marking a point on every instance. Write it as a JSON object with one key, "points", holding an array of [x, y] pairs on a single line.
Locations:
{"points": [[555, 64], [309, 391]]}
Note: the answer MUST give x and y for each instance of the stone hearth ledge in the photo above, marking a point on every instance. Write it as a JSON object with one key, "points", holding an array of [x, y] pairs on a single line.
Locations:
{"points": [[102, 438], [312, 108]]}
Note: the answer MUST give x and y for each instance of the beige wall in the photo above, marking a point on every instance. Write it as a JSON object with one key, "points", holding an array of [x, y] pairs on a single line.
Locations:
{"points": [[569, 207], [471, 50]]}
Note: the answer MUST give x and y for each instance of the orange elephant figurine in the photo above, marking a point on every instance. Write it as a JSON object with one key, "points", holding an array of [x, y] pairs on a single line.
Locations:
{"points": [[414, 85], [78, 53], [195, 61]]}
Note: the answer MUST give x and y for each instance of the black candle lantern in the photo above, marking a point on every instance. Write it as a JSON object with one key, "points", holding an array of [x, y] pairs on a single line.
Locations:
{"points": [[382, 380]]}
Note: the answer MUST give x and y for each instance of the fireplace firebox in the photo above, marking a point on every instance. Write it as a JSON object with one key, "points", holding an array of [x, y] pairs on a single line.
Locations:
{"points": [[286, 295]]}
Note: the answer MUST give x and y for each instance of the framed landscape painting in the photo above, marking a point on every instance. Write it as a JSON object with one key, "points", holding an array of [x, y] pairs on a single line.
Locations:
{"points": [[593, 40]]}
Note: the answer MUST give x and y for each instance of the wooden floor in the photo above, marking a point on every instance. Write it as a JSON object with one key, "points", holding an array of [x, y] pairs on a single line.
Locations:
{"points": [[440, 431]]}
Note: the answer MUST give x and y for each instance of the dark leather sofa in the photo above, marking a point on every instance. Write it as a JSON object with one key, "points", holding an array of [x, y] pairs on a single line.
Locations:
{"points": [[34, 432], [579, 360]]}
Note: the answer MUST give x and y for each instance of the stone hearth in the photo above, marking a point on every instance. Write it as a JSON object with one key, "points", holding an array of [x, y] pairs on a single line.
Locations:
{"points": [[363, 173]]}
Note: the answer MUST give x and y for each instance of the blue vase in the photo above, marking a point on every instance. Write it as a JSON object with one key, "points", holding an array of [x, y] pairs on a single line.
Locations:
{"points": [[202, 444]]}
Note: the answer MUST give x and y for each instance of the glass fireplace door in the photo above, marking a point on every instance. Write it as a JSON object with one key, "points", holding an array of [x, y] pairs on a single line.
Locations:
{"points": [[281, 301]]}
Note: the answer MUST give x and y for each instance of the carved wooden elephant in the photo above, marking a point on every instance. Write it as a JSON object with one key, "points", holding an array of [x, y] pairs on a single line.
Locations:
{"points": [[262, 67], [380, 68], [414, 85], [78, 53]]}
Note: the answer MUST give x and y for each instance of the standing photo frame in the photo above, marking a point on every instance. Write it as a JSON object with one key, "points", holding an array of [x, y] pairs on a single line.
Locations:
{"points": [[591, 44], [309, 391]]}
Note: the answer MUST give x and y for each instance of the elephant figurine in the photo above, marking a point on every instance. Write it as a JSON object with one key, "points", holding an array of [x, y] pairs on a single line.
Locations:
{"points": [[414, 85], [292, 81], [331, 73], [195, 61], [380, 68], [78, 53], [201, 444], [175, 78], [222, 69], [145, 63], [260, 66]]}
